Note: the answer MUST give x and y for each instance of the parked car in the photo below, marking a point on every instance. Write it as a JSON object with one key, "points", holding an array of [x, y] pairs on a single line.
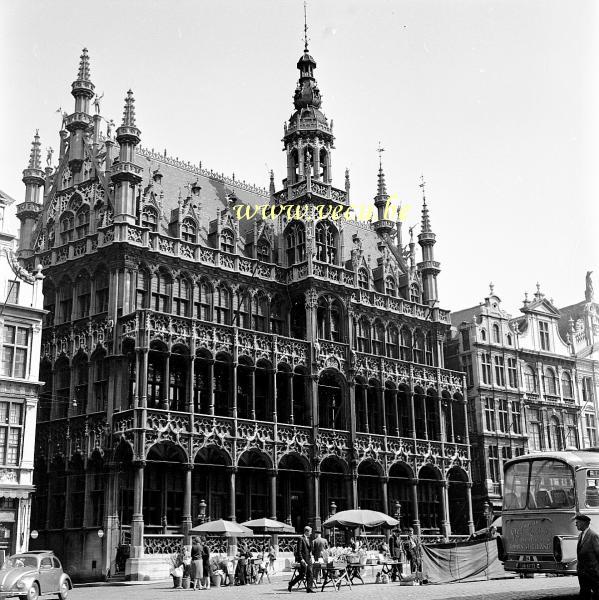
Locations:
{"points": [[33, 574]]}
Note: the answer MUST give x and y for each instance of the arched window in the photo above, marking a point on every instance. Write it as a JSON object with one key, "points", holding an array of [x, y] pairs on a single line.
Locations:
{"points": [[100, 374], [82, 222], [363, 335], [331, 411], [509, 339], [530, 379], [63, 387], [328, 316], [378, 339], [80, 370], [83, 296], [496, 337], [67, 226], [222, 305], [326, 242], [181, 297], [550, 382], [392, 342], [277, 317], [567, 385], [189, 231], [204, 301], [227, 241], [419, 347], [242, 314], [161, 292], [295, 239], [101, 297], [263, 250], [259, 312], [483, 335], [177, 398], [149, 218], [429, 349], [555, 434], [155, 379], [363, 279], [390, 288], [143, 281], [406, 344], [414, 293]]}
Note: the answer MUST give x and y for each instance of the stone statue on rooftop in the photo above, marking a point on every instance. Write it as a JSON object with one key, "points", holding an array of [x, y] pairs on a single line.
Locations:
{"points": [[588, 292]]}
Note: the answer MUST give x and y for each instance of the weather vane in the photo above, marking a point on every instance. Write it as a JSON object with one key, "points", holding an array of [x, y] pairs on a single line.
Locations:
{"points": [[305, 26], [380, 150], [423, 185]]}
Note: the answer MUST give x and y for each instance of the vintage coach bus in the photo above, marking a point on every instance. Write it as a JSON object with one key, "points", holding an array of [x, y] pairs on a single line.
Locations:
{"points": [[542, 493]]}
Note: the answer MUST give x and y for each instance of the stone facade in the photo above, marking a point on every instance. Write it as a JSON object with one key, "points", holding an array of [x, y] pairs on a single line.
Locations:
{"points": [[529, 386], [268, 367]]}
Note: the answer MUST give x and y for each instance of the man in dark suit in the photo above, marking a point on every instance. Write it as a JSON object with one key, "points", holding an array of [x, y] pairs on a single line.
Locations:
{"points": [[587, 553], [303, 555]]}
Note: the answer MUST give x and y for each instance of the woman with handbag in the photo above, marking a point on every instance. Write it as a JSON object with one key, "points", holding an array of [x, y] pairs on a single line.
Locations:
{"points": [[197, 565]]}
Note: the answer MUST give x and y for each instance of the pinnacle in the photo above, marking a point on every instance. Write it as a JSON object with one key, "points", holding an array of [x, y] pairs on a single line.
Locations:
{"points": [[129, 111], [84, 72], [381, 186], [35, 158], [426, 222]]}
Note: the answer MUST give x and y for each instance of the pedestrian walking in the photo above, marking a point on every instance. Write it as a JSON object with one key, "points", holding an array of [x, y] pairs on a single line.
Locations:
{"points": [[303, 555], [587, 553], [197, 565], [319, 545]]}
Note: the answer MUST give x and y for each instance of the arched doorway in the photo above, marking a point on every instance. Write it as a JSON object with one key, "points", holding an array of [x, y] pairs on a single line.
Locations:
{"points": [[331, 407], [399, 489], [210, 482], [458, 500], [333, 486], [252, 489], [164, 484], [430, 508], [370, 493], [292, 496]]}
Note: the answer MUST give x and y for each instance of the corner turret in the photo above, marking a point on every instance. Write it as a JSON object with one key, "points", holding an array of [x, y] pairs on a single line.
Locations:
{"points": [[429, 268]]}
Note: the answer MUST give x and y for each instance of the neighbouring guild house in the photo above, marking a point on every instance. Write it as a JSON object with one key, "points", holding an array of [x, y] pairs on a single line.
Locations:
{"points": [[532, 384], [21, 313], [201, 366]]}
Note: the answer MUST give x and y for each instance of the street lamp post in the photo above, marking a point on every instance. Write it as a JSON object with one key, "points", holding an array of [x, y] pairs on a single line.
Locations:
{"points": [[202, 514], [397, 513]]}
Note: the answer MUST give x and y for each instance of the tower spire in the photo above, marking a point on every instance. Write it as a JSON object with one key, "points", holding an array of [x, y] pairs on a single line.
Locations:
{"points": [[305, 26], [35, 157], [129, 110], [84, 73], [384, 224], [429, 268], [426, 221]]}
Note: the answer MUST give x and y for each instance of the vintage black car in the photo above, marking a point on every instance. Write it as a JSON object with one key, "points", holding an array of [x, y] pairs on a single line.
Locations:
{"points": [[31, 575]]}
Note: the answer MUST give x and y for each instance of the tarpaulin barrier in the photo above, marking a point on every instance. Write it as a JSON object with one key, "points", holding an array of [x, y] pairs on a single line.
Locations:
{"points": [[464, 561]]}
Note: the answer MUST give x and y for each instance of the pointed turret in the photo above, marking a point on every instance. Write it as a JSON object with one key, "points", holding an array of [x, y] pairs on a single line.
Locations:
{"points": [[125, 170], [384, 225], [429, 268], [82, 89], [29, 210]]}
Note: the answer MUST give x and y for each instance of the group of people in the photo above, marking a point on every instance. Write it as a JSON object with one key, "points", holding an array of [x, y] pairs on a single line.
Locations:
{"points": [[310, 550]]}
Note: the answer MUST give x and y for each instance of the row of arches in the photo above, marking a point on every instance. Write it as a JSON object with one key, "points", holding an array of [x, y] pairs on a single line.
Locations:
{"points": [[251, 490], [551, 383]]}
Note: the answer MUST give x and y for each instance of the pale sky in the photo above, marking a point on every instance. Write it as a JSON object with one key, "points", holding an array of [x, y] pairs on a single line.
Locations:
{"points": [[495, 102]]}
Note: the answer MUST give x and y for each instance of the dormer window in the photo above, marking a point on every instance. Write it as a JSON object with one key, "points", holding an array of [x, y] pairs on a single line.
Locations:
{"points": [[544, 335], [226, 241], [363, 279], [83, 222], [390, 288], [326, 243], [263, 251], [67, 226], [189, 231], [149, 218]]}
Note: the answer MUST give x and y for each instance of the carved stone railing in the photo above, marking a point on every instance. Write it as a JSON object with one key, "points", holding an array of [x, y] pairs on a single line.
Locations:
{"points": [[162, 544], [331, 442], [288, 542]]}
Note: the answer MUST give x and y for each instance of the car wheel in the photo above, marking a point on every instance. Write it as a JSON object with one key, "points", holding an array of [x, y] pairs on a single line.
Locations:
{"points": [[63, 594], [34, 592]]}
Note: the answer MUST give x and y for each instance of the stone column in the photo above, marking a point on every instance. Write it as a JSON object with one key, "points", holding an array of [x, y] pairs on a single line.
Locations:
{"points": [[273, 395], [273, 493], [396, 405], [316, 492], [384, 484], [137, 520], [233, 367], [382, 407], [165, 401], [412, 412], [190, 383], [232, 474], [290, 391], [317, 163], [142, 378], [252, 371], [186, 523], [445, 522], [470, 515], [354, 481], [414, 499], [210, 391]]}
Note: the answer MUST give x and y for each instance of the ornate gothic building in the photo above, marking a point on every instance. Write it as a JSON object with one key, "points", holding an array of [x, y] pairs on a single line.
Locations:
{"points": [[196, 361]]}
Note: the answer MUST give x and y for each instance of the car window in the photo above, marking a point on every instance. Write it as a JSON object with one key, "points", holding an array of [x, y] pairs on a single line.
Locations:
{"points": [[16, 562], [56, 563], [46, 562]]}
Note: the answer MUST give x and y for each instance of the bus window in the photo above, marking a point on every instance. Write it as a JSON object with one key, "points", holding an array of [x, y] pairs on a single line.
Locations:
{"points": [[516, 481], [549, 482], [592, 491]]}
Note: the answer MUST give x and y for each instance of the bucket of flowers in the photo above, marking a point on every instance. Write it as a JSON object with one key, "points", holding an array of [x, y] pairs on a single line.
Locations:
{"points": [[176, 570]]}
